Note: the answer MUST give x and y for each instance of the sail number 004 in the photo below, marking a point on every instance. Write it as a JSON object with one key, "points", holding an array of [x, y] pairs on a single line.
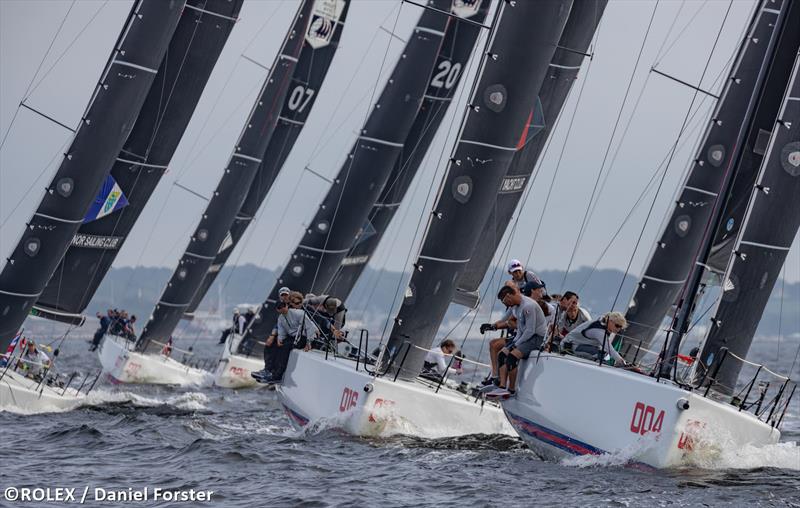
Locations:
{"points": [[644, 419]]}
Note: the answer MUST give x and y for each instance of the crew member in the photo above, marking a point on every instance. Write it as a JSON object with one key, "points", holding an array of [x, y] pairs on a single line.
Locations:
{"points": [[594, 338]]}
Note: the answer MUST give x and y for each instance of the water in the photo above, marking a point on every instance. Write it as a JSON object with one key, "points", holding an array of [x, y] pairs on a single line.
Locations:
{"points": [[240, 445]]}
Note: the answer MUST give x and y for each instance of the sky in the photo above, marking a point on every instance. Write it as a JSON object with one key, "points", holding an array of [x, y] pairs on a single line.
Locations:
{"points": [[55, 71]]}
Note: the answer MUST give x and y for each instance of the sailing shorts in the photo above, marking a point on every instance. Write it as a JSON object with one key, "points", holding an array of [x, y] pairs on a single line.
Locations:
{"points": [[530, 345]]}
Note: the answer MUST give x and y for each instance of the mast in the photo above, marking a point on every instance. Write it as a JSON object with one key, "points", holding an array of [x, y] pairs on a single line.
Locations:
{"points": [[355, 189], [675, 252], [231, 190], [762, 245], [494, 129], [459, 42], [104, 126], [193, 51], [573, 45], [322, 41], [770, 23]]}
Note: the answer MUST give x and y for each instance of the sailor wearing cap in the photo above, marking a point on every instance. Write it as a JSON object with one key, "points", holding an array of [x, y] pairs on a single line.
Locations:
{"points": [[521, 276]]}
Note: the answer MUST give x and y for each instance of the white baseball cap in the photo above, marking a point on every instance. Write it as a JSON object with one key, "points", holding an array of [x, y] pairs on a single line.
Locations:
{"points": [[284, 291], [514, 265]]}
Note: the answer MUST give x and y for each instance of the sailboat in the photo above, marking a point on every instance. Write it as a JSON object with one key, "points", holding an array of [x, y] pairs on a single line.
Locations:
{"points": [[389, 397], [669, 418], [104, 127], [149, 359]]}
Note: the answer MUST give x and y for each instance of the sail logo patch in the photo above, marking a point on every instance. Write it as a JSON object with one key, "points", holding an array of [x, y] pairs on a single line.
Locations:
{"points": [[96, 241], [790, 158], [465, 8], [108, 200], [323, 22], [513, 184], [355, 260]]}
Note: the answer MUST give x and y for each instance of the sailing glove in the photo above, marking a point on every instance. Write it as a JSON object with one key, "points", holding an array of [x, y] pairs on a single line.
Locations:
{"points": [[486, 327]]}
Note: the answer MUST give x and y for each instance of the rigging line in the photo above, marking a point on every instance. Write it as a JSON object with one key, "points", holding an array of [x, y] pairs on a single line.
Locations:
{"points": [[351, 161], [47, 117], [69, 46], [682, 82], [672, 155], [672, 26], [780, 315], [41, 63], [610, 142], [441, 174], [662, 53], [46, 169]]}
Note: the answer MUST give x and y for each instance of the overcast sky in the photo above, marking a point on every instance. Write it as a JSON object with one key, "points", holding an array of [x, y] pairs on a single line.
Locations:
{"points": [[678, 43]]}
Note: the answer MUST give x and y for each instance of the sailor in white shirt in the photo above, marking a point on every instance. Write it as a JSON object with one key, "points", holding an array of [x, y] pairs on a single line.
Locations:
{"points": [[438, 358], [595, 337]]}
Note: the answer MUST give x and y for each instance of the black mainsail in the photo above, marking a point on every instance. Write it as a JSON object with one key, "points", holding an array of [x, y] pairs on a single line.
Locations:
{"points": [[578, 33], [494, 129], [762, 245], [355, 189], [192, 53], [322, 41], [676, 250], [231, 190], [459, 42], [104, 127]]}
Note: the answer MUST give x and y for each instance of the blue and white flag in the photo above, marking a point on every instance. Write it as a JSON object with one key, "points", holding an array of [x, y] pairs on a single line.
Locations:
{"points": [[109, 200], [10, 351]]}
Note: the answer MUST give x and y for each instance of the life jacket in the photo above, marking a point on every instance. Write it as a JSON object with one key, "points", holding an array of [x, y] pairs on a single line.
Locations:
{"points": [[597, 324]]}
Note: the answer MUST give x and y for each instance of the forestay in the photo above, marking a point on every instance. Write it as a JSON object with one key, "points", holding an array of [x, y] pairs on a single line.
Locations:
{"points": [[104, 127], [495, 127], [193, 51]]}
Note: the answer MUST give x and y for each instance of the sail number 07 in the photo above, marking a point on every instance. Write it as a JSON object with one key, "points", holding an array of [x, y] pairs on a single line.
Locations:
{"points": [[299, 98]]}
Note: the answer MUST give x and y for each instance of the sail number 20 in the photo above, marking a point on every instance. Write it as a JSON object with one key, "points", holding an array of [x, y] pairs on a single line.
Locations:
{"points": [[446, 75], [299, 98], [644, 419]]}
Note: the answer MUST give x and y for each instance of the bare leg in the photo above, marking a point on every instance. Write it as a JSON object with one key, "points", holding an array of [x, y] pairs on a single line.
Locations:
{"points": [[495, 345], [512, 376], [503, 376]]}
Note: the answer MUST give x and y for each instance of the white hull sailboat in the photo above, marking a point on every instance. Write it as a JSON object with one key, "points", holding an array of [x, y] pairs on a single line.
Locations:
{"points": [[125, 365], [568, 406], [233, 370], [20, 394], [344, 396]]}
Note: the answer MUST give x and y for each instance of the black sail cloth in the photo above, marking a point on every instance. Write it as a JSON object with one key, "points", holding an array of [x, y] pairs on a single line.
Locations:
{"points": [[578, 33], [103, 129], [494, 130], [193, 51], [309, 74], [357, 186], [676, 250], [770, 226], [231, 190], [459, 42]]}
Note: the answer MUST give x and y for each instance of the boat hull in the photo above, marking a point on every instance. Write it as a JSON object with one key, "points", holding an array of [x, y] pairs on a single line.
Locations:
{"points": [[233, 370], [19, 394], [567, 406], [332, 393], [125, 366]]}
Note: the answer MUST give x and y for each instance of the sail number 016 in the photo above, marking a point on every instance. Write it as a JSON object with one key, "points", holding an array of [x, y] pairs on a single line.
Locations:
{"points": [[446, 75]]}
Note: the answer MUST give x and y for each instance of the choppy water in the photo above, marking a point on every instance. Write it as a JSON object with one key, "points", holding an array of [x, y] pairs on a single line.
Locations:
{"points": [[240, 445]]}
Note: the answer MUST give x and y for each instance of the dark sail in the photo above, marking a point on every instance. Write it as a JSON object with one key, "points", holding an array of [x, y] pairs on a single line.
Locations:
{"points": [[459, 41], [362, 177], [221, 210], [578, 34], [770, 226], [322, 41], [676, 250], [192, 53], [105, 125], [756, 143], [494, 129]]}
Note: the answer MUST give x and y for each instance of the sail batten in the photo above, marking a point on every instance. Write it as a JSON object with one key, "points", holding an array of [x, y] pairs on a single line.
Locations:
{"points": [[498, 117], [231, 190], [364, 174], [106, 124], [145, 156]]}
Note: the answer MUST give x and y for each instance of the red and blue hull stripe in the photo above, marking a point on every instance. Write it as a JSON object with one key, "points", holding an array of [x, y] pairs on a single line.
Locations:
{"points": [[296, 417]]}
